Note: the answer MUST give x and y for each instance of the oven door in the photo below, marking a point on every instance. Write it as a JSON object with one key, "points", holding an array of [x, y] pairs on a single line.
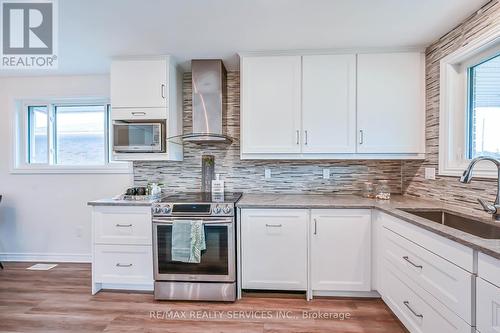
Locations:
{"points": [[217, 261], [138, 137]]}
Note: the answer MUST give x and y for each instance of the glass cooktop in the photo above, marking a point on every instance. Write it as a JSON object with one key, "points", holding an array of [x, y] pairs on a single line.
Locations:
{"points": [[201, 197]]}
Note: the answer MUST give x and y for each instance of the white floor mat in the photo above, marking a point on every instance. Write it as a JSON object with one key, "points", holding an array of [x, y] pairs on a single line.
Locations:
{"points": [[41, 267]]}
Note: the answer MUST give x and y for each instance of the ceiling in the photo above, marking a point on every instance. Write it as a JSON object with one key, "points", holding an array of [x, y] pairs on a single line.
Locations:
{"points": [[93, 31]]}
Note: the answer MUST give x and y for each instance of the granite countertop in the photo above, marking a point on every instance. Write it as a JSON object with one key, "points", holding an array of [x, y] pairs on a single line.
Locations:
{"points": [[120, 202], [391, 207]]}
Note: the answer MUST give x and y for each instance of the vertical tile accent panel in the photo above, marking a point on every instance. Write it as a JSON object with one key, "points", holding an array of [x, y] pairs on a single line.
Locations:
{"points": [[248, 175], [449, 189]]}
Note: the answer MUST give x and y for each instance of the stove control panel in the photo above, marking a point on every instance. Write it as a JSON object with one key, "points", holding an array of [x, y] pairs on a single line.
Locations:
{"points": [[194, 209]]}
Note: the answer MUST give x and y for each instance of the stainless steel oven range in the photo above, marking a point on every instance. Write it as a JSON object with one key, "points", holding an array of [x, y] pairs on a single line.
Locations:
{"points": [[214, 278]]}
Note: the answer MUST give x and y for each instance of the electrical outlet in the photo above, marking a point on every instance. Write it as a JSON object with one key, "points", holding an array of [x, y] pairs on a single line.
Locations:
{"points": [[267, 173], [430, 173], [326, 173]]}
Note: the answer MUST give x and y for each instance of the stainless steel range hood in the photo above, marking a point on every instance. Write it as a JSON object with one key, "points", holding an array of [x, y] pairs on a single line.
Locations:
{"points": [[209, 102]]}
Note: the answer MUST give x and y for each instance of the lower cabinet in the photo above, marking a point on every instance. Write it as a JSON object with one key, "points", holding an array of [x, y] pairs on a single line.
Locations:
{"points": [[274, 249], [340, 250], [418, 311], [122, 246], [487, 307]]}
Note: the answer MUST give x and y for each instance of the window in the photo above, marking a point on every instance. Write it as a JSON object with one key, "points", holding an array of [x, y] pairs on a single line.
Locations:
{"points": [[70, 136], [484, 109], [469, 106]]}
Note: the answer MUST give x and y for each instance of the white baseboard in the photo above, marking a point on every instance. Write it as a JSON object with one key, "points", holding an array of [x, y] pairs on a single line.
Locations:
{"points": [[369, 294], [47, 257]]}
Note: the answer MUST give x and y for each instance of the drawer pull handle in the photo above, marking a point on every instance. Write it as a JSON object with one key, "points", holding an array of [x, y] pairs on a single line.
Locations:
{"points": [[123, 265], [138, 113], [124, 225], [412, 263], [273, 225], [416, 314]]}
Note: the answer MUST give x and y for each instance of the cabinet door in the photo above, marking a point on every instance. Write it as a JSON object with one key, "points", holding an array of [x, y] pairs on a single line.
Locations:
{"points": [[488, 307], [341, 250], [274, 249], [390, 104], [270, 104], [329, 103], [139, 83]]}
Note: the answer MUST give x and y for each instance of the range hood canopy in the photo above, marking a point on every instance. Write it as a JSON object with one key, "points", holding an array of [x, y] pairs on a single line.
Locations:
{"points": [[209, 102]]}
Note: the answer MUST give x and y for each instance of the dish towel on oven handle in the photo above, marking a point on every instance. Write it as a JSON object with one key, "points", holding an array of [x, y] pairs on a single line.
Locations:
{"points": [[188, 240]]}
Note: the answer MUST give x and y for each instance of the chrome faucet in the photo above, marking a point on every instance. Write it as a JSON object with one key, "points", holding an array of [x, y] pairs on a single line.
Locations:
{"points": [[493, 209]]}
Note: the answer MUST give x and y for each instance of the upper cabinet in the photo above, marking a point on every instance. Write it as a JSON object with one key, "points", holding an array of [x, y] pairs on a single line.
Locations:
{"points": [[339, 106], [329, 103], [270, 94], [139, 83], [390, 98]]}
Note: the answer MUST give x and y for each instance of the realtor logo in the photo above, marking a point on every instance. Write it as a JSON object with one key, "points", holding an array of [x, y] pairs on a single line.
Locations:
{"points": [[29, 34]]}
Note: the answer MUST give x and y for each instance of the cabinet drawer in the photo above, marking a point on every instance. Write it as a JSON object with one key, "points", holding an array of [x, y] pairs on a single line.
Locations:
{"points": [[138, 113], [127, 226], [445, 281], [488, 307], [460, 255], [274, 249], [489, 269], [416, 311], [123, 264]]}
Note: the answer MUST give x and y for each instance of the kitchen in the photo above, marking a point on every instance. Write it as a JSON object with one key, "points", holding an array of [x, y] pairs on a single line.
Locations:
{"points": [[281, 157]]}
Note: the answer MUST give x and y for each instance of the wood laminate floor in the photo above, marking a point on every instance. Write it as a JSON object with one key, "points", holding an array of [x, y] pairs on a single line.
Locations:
{"points": [[59, 300]]}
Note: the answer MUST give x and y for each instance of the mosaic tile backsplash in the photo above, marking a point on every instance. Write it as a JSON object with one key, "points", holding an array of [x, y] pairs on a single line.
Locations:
{"points": [[449, 189], [248, 175]]}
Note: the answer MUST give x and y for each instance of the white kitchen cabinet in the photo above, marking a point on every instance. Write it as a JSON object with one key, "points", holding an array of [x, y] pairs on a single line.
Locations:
{"points": [[270, 104], [274, 249], [337, 106], [139, 83], [329, 103], [340, 250], [122, 248], [390, 103], [487, 307]]}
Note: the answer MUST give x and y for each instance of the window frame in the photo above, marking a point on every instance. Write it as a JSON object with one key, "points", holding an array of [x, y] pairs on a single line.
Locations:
{"points": [[455, 90], [22, 139]]}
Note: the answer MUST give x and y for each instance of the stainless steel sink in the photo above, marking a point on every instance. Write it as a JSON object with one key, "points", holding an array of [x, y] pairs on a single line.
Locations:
{"points": [[472, 226]]}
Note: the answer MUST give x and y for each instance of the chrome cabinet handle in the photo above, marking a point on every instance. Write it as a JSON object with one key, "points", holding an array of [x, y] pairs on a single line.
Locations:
{"points": [[123, 225], [273, 225], [315, 227], [138, 113], [297, 135], [305, 137], [361, 137], [415, 313], [162, 90], [123, 265], [412, 263]]}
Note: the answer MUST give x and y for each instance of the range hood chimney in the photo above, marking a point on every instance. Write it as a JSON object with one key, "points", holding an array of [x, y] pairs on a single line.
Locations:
{"points": [[209, 102]]}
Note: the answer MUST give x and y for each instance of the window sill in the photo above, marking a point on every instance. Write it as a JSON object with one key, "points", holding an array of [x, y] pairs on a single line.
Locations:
{"points": [[485, 173], [119, 168]]}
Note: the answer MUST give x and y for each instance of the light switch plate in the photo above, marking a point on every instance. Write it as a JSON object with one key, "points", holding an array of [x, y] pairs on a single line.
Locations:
{"points": [[326, 173], [430, 173], [267, 173]]}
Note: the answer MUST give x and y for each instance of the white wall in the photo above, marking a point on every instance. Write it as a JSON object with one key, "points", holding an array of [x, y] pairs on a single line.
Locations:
{"points": [[41, 214]]}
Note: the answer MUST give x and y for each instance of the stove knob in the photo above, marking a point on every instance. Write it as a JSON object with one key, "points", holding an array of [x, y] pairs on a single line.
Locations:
{"points": [[216, 210], [157, 210], [166, 209], [227, 209]]}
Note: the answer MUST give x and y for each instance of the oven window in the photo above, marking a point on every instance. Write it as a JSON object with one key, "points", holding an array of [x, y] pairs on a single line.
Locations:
{"points": [[214, 260], [134, 135]]}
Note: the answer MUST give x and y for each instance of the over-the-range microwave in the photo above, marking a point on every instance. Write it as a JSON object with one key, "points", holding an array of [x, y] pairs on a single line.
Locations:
{"points": [[146, 136]]}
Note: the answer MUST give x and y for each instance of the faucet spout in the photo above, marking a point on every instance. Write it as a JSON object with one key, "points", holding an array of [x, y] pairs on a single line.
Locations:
{"points": [[467, 177]]}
